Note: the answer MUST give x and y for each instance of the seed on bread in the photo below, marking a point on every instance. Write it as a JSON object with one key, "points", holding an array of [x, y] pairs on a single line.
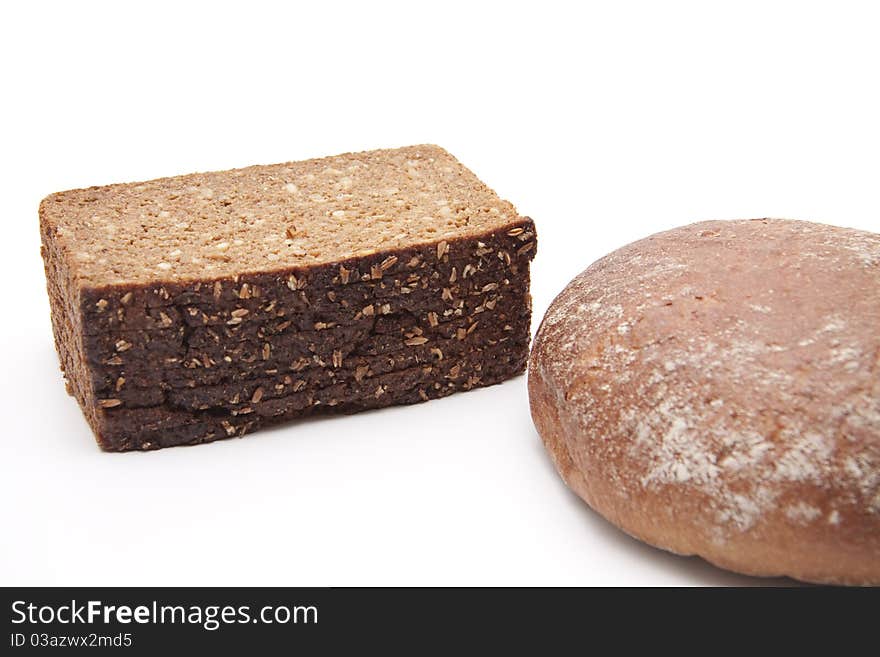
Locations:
{"points": [[254, 274]]}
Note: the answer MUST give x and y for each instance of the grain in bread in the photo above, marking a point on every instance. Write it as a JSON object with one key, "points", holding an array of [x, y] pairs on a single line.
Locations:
{"points": [[192, 308]]}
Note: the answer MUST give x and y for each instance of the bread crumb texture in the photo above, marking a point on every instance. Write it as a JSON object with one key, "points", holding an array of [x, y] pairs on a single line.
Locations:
{"points": [[298, 214], [196, 308], [722, 382]]}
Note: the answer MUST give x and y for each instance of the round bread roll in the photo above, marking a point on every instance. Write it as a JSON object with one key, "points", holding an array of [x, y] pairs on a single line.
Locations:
{"points": [[715, 390]]}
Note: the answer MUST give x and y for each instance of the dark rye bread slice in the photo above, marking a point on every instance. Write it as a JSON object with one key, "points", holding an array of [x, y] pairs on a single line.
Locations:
{"points": [[220, 360], [343, 271], [432, 309], [462, 367], [197, 354], [246, 361], [133, 389], [156, 427], [206, 354], [252, 345]]}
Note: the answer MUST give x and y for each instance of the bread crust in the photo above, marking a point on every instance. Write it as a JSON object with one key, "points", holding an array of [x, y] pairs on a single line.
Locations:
{"points": [[714, 390]]}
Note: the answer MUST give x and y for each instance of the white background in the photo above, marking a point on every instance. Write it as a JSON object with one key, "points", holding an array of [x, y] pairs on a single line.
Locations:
{"points": [[604, 122]]}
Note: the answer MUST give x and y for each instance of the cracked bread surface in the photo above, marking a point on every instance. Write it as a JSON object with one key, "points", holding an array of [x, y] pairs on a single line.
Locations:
{"points": [[408, 282]]}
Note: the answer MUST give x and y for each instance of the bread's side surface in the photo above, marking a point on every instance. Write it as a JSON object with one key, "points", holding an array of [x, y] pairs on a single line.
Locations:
{"points": [[67, 327]]}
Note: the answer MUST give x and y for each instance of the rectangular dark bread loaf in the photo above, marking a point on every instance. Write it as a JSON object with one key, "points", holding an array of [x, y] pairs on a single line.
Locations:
{"points": [[198, 307]]}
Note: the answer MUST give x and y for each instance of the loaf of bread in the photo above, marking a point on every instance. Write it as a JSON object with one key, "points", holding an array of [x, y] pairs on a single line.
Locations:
{"points": [[715, 390], [197, 307]]}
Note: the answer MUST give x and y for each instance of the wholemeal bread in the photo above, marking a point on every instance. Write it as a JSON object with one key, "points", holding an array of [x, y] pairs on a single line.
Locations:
{"points": [[197, 307], [715, 390]]}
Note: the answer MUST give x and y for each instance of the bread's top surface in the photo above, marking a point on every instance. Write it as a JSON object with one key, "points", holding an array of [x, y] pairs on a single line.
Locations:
{"points": [[264, 218], [728, 370]]}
